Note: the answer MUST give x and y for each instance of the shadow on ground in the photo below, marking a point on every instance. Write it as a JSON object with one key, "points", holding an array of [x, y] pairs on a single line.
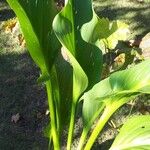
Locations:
{"points": [[6, 14], [19, 93], [104, 146], [5, 11]]}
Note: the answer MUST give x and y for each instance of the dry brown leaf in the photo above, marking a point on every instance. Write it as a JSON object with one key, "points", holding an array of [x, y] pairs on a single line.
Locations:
{"points": [[21, 40], [9, 25], [15, 118]]}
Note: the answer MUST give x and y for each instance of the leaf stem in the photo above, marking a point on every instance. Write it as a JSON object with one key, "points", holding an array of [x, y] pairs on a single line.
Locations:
{"points": [[82, 139], [71, 126], [55, 136], [56, 99], [108, 111], [87, 127]]}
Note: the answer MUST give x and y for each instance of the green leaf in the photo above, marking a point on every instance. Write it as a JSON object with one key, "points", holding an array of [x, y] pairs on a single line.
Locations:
{"points": [[111, 32], [101, 31], [72, 83], [92, 106], [71, 79], [134, 135], [67, 25], [119, 32], [47, 131], [97, 29], [122, 85], [85, 59], [35, 17]]}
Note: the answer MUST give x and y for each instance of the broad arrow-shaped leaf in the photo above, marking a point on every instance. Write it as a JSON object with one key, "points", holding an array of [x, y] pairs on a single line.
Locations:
{"points": [[67, 25], [84, 58], [134, 135], [120, 86], [35, 17]]}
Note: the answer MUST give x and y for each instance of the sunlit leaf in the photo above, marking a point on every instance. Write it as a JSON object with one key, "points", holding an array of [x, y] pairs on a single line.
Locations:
{"points": [[35, 18], [85, 59], [104, 33], [122, 85], [134, 135], [67, 25], [120, 32]]}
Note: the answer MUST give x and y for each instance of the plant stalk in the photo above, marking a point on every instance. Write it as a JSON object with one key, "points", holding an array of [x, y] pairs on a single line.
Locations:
{"points": [[82, 139], [71, 126], [86, 130], [108, 111], [55, 136], [55, 87]]}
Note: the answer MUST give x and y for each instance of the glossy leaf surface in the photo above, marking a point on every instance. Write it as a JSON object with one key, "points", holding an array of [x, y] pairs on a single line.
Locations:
{"points": [[134, 135], [67, 26], [85, 59], [119, 86]]}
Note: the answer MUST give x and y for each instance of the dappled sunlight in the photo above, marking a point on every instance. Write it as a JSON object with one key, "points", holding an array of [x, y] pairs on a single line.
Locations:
{"points": [[134, 13]]}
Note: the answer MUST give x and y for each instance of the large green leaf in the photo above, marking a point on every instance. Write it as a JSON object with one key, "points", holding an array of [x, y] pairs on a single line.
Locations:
{"points": [[120, 86], [70, 76], [67, 25], [134, 135], [35, 17], [84, 58], [99, 28], [62, 87]]}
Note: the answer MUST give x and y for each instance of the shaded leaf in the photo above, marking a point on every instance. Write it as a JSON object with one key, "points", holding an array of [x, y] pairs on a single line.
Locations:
{"points": [[70, 76], [67, 25], [47, 131]]}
